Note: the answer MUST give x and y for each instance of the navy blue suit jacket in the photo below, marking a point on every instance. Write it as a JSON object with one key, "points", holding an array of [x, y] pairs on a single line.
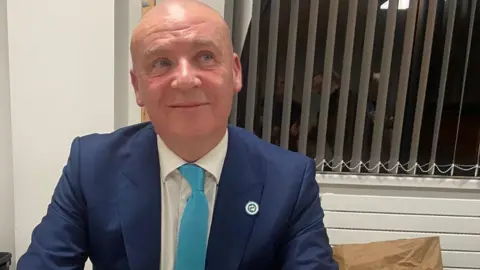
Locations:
{"points": [[106, 206]]}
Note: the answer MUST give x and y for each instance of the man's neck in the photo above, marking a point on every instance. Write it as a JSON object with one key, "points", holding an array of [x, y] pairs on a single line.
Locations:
{"points": [[192, 149]]}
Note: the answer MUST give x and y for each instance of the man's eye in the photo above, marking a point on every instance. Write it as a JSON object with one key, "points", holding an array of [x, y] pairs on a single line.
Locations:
{"points": [[206, 57], [161, 63]]}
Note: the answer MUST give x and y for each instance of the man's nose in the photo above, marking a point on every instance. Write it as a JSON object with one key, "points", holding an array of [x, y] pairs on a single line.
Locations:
{"points": [[186, 77]]}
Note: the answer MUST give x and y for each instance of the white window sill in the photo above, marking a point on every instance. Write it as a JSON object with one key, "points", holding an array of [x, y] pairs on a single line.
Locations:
{"points": [[398, 181]]}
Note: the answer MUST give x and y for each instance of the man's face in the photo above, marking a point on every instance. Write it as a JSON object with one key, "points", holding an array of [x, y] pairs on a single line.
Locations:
{"points": [[317, 84], [185, 73]]}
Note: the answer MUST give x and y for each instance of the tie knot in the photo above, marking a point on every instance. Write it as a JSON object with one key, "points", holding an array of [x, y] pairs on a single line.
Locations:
{"points": [[194, 175]]}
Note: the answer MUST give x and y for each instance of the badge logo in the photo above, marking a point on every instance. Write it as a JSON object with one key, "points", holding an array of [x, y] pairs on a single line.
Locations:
{"points": [[252, 208]]}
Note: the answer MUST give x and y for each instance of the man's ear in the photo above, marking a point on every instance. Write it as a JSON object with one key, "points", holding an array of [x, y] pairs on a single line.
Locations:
{"points": [[134, 80], [237, 73]]}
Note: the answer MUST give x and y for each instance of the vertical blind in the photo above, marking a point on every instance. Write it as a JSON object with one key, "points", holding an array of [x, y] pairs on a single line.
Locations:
{"points": [[370, 86]]}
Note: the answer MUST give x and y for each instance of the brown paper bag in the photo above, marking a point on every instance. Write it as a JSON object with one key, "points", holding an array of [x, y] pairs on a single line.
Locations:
{"points": [[418, 253]]}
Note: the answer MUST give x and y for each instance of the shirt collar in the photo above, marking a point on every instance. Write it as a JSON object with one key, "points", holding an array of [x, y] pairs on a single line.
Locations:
{"points": [[212, 162]]}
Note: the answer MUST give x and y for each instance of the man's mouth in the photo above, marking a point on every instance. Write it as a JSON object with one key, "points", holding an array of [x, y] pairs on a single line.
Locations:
{"points": [[189, 105]]}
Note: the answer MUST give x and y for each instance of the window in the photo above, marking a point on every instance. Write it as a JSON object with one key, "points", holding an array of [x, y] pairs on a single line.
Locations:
{"points": [[402, 4], [364, 87]]}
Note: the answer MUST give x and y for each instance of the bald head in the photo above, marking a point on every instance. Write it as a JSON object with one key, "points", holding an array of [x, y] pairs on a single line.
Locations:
{"points": [[172, 15], [195, 5], [185, 74]]}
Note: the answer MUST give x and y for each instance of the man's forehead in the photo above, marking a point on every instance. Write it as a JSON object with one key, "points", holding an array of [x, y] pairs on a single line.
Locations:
{"points": [[192, 29], [179, 15]]}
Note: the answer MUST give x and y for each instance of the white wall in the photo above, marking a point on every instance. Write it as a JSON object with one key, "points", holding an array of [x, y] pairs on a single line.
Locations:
{"points": [[134, 15], [127, 13], [7, 239], [62, 85]]}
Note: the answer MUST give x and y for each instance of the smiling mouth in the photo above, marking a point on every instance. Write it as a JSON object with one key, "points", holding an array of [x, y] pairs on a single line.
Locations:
{"points": [[188, 106]]}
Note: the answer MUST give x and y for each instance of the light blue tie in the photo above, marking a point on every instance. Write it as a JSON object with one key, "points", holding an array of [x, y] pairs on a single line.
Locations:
{"points": [[192, 237]]}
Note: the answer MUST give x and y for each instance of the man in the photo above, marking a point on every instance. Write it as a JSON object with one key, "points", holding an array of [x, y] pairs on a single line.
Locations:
{"points": [[184, 191]]}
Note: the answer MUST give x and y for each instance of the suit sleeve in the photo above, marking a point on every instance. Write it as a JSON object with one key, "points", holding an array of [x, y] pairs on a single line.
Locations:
{"points": [[60, 240], [307, 246]]}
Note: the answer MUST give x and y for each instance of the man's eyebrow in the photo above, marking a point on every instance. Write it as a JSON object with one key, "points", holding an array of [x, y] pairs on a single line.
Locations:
{"points": [[204, 42], [157, 49], [197, 42]]}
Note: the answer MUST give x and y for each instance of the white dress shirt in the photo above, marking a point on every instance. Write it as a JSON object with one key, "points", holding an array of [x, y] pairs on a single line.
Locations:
{"points": [[175, 191]]}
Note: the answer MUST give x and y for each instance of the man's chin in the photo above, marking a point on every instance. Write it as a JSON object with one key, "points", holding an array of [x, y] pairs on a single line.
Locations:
{"points": [[194, 130]]}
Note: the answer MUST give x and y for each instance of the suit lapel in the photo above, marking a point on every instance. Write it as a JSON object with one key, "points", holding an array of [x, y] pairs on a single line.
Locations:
{"points": [[231, 225], [139, 201]]}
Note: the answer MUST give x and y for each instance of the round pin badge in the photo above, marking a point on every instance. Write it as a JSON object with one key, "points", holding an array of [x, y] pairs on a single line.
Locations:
{"points": [[252, 208]]}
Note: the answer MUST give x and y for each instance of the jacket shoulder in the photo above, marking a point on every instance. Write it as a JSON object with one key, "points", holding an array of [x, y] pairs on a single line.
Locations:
{"points": [[113, 140], [101, 150]]}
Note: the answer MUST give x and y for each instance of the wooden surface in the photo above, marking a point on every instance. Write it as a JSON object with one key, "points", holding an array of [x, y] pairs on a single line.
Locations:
{"points": [[147, 5]]}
